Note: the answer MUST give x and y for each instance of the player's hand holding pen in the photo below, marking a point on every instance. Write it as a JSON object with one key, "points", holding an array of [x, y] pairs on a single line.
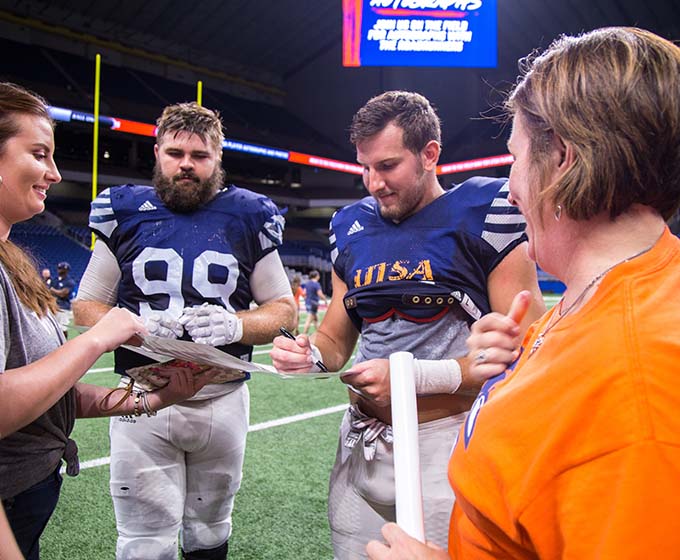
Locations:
{"points": [[295, 354]]}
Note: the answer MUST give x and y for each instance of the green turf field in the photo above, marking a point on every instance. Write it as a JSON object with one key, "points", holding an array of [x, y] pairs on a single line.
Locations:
{"points": [[280, 511]]}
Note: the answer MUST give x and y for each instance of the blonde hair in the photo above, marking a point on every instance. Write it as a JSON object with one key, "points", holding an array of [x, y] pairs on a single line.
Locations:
{"points": [[613, 95]]}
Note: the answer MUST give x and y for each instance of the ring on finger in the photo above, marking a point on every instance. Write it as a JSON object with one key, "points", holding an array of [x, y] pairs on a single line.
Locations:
{"points": [[481, 357]]}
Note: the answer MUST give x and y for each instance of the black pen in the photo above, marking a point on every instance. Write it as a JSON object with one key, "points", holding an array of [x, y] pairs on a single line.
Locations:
{"points": [[285, 332]]}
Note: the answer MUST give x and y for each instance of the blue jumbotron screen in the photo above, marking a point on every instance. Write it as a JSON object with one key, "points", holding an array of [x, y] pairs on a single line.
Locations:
{"points": [[419, 33]]}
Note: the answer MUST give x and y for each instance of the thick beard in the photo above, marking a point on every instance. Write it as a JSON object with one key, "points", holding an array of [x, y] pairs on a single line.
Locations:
{"points": [[184, 198]]}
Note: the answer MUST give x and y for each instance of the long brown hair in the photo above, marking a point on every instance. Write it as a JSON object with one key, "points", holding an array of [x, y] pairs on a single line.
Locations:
{"points": [[14, 101]]}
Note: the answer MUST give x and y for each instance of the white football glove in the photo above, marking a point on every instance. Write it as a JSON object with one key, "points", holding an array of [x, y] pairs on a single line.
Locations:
{"points": [[212, 324], [163, 324]]}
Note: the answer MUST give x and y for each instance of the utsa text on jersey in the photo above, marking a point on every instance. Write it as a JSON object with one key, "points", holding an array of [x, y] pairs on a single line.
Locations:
{"points": [[398, 270]]}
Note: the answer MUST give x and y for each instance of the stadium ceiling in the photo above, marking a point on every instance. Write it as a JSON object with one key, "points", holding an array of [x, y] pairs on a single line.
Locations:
{"points": [[288, 52]]}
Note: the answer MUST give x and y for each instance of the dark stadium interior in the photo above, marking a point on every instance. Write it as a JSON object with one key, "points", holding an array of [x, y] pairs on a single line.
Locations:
{"points": [[273, 69]]}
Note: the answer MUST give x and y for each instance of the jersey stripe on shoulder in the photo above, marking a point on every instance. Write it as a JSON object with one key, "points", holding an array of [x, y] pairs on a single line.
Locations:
{"points": [[334, 248], [102, 216], [271, 234], [332, 239], [504, 223]]}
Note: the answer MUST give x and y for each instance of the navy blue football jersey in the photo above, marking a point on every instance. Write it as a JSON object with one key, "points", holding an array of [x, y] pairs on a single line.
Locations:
{"points": [[60, 284], [170, 261], [440, 256]]}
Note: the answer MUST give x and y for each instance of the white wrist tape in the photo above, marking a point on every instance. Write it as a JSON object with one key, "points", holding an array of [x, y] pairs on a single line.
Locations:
{"points": [[437, 376]]}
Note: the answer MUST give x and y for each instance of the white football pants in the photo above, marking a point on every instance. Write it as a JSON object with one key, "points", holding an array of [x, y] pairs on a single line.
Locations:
{"points": [[362, 494], [178, 471]]}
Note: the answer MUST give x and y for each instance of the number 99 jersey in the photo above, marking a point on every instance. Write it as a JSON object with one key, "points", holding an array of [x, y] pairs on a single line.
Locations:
{"points": [[170, 260]]}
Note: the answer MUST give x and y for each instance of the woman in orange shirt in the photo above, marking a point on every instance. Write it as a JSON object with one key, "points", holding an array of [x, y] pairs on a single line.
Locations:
{"points": [[572, 448]]}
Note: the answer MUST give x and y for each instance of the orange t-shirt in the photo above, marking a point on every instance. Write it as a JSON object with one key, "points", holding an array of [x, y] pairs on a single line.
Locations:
{"points": [[576, 452], [299, 292]]}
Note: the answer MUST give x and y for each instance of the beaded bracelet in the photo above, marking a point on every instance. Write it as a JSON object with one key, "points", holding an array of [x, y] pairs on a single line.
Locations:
{"points": [[138, 397], [147, 407]]}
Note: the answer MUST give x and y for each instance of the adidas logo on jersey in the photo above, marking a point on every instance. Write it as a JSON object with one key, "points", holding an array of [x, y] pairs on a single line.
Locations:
{"points": [[147, 207], [355, 228]]}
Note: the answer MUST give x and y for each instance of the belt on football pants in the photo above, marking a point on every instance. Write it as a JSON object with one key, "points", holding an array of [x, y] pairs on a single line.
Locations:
{"points": [[363, 427]]}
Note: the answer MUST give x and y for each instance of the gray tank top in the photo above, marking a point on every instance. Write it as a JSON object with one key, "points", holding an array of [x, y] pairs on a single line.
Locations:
{"points": [[436, 340], [30, 454]]}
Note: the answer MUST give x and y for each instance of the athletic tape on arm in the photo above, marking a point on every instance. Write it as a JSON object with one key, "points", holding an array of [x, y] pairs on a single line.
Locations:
{"points": [[437, 376]]}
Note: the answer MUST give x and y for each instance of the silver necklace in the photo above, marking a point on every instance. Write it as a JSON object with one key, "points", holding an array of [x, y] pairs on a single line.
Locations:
{"points": [[560, 314]]}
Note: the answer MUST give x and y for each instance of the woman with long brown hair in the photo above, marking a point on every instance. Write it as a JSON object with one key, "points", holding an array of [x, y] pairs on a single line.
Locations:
{"points": [[39, 394]]}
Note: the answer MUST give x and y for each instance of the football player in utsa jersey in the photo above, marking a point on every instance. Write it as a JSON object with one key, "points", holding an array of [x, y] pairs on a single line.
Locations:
{"points": [[413, 266], [189, 255]]}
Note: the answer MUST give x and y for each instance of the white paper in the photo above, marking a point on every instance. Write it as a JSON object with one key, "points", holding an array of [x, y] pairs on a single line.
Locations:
{"points": [[407, 477], [164, 349]]}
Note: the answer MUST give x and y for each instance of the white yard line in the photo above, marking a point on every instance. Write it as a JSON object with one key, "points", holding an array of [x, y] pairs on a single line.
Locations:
{"points": [[297, 418], [98, 370], [254, 428], [92, 463]]}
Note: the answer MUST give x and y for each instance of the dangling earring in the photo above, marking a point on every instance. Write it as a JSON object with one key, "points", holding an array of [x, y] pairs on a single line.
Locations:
{"points": [[558, 212], [0, 179]]}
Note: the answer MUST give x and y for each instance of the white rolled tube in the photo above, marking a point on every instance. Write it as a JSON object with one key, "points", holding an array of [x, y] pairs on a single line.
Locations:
{"points": [[407, 477]]}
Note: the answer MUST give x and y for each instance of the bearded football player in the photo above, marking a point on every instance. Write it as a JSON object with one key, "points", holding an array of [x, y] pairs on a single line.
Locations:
{"points": [[189, 255]]}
